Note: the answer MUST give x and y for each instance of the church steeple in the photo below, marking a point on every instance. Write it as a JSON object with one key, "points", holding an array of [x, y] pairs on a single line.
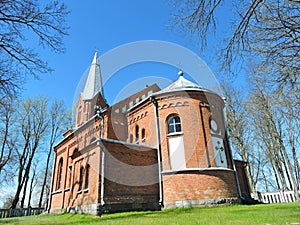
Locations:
{"points": [[93, 83]]}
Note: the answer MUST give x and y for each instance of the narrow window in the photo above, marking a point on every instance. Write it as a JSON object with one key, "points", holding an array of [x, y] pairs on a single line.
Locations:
{"points": [[143, 135], [59, 174], [79, 112], [70, 175], [81, 178], [174, 124], [137, 133], [131, 138], [87, 177]]}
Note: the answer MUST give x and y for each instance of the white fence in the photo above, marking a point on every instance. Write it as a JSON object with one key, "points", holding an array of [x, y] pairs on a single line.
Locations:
{"points": [[278, 197]]}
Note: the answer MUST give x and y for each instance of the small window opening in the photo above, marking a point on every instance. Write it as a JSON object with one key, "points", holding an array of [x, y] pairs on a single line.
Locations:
{"points": [[174, 124]]}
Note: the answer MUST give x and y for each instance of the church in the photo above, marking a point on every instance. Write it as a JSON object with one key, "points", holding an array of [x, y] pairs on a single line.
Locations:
{"points": [[156, 149]]}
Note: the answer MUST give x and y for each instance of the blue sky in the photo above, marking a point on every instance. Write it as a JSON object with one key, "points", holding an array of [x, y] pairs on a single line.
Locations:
{"points": [[104, 25]]}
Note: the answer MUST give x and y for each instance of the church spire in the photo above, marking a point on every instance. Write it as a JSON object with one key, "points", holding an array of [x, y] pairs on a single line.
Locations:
{"points": [[93, 83]]}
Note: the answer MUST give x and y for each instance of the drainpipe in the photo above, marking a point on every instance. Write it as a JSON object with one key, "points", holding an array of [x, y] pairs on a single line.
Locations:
{"points": [[51, 185], [161, 203], [98, 114], [204, 135], [231, 156], [102, 176]]}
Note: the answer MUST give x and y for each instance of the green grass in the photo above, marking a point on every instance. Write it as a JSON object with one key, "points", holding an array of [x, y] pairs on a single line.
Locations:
{"points": [[286, 214]]}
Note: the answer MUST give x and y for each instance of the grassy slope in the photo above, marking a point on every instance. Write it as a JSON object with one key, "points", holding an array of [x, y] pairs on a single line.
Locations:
{"points": [[238, 214]]}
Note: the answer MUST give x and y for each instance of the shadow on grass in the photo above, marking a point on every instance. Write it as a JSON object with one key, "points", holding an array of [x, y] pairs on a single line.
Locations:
{"points": [[158, 213]]}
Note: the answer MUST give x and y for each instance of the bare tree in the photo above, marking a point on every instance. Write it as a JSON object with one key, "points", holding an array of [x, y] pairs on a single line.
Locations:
{"points": [[10, 80], [268, 31], [21, 20], [59, 121], [8, 201], [268, 123], [275, 35], [290, 110], [6, 112], [33, 124], [240, 131]]}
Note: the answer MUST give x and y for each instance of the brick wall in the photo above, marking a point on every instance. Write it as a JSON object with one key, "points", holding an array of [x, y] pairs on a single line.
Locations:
{"points": [[144, 118], [69, 195], [196, 135], [188, 110], [131, 174], [194, 186], [199, 186]]}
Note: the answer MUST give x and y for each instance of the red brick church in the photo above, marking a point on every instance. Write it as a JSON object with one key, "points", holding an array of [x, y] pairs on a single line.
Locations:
{"points": [[158, 148]]}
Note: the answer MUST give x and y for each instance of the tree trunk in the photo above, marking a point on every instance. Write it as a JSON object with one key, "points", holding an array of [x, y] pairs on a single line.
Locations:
{"points": [[45, 177], [20, 181], [31, 188], [24, 191]]}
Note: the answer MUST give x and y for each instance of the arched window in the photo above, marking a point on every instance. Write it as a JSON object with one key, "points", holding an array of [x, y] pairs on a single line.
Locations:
{"points": [[59, 174], [87, 177], [79, 112], [70, 175], [143, 135], [174, 124], [75, 150], [137, 133], [81, 174]]}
